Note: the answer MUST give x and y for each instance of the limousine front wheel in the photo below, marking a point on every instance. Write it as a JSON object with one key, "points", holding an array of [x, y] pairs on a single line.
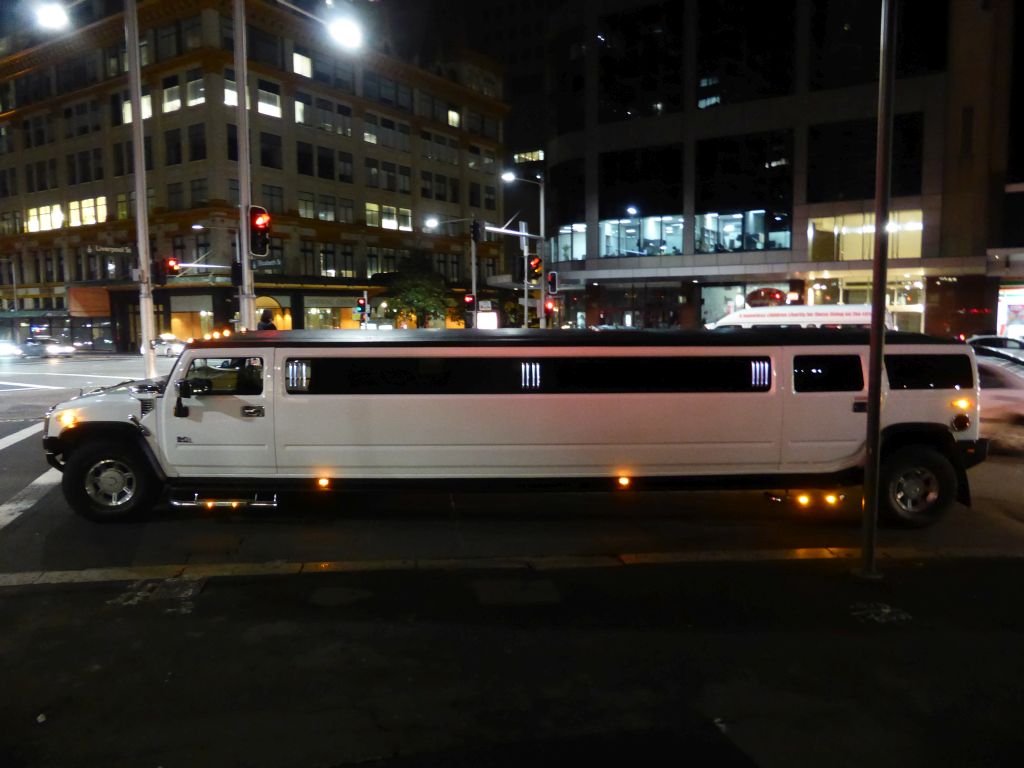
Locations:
{"points": [[918, 486], [107, 481]]}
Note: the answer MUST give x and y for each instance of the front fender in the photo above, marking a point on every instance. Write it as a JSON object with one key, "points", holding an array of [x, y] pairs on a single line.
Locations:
{"points": [[58, 448]]}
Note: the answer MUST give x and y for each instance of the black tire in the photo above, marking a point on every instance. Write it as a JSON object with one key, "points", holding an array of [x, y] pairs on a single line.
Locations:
{"points": [[917, 486], [107, 481]]}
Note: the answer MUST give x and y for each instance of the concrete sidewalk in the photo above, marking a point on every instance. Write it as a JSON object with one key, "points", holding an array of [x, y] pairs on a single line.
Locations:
{"points": [[726, 664]]}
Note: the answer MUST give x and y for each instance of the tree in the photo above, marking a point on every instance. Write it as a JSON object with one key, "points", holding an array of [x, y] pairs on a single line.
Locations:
{"points": [[417, 291]]}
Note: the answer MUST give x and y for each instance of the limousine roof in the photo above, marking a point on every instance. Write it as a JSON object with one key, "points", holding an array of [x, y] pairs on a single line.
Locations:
{"points": [[519, 337]]}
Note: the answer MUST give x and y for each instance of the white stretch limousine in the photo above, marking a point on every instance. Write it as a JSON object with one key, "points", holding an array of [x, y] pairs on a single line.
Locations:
{"points": [[239, 420]]}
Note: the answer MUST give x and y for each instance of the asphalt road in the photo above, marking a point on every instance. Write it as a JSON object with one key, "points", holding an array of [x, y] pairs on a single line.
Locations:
{"points": [[398, 629]]}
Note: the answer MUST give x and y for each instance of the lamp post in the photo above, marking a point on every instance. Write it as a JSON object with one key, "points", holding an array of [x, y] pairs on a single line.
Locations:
{"points": [[509, 177], [54, 16]]}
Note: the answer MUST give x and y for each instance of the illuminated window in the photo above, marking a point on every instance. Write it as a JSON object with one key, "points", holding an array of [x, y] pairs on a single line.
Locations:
{"points": [[172, 95], [230, 92], [372, 215], [302, 65], [850, 237], [195, 90], [147, 108], [389, 217], [44, 218], [453, 118], [268, 99], [405, 219], [528, 157]]}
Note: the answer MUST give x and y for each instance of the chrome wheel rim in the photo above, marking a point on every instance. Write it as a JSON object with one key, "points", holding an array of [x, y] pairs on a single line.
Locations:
{"points": [[110, 483], [914, 490]]}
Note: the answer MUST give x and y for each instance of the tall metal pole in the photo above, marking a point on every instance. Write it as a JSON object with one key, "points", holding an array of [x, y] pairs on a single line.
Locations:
{"points": [[869, 503], [472, 273], [541, 254], [131, 33], [246, 298], [524, 244]]}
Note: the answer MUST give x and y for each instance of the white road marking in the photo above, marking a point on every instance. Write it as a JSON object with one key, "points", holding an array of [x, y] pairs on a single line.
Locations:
{"points": [[27, 498], [23, 385], [17, 437]]}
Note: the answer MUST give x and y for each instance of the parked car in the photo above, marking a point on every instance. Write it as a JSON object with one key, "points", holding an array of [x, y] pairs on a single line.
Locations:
{"points": [[46, 346], [1001, 346], [166, 346]]}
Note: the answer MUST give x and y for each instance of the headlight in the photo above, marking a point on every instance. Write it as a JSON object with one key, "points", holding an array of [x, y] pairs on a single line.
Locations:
{"points": [[67, 419], [52, 349]]}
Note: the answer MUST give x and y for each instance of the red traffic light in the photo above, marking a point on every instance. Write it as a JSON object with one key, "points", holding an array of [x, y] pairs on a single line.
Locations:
{"points": [[260, 219], [549, 306], [173, 266], [470, 300]]}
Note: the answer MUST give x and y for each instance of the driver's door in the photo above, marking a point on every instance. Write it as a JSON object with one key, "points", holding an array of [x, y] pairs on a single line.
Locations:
{"points": [[228, 429]]}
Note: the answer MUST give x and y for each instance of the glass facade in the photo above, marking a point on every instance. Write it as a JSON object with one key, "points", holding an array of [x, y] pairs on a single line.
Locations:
{"points": [[642, 236], [570, 244], [850, 237], [755, 230]]}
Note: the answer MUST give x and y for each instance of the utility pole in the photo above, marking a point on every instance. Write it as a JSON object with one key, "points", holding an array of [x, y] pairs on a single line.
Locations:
{"points": [[246, 297], [524, 244], [146, 329]]}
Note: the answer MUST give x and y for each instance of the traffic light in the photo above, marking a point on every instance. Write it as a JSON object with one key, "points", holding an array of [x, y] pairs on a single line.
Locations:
{"points": [[360, 306], [470, 301], [536, 268], [552, 283], [549, 306], [477, 231], [172, 267], [158, 272], [259, 231]]}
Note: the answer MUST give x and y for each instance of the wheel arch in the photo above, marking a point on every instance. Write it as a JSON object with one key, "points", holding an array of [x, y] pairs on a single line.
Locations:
{"points": [[934, 436], [126, 433]]}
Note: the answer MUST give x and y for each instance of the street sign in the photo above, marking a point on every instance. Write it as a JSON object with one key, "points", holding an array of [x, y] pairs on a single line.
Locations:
{"points": [[485, 305]]}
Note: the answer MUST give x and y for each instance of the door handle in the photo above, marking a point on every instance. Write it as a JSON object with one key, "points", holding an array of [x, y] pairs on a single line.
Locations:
{"points": [[252, 410], [860, 406]]}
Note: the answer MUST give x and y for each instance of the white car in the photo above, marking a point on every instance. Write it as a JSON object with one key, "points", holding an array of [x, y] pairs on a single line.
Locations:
{"points": [[166, 346], [1002, 346], [1002, 390]]}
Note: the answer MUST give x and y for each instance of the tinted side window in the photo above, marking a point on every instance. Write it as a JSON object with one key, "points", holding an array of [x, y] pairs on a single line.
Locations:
{"points": [[226, 375], [929, 371], [827, 373], [579, 375]]}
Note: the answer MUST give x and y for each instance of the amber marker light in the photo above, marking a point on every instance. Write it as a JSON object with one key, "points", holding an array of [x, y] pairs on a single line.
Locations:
{"points": [[216, 334], [962, 404], [226, 333], [67, 419], [624, 482], [803, 500], [209, 505], [323, 483], [831, 498]]}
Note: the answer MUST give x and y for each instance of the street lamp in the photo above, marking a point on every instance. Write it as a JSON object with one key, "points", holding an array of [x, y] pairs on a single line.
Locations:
{"points": [[54, 16], [509, 177]]}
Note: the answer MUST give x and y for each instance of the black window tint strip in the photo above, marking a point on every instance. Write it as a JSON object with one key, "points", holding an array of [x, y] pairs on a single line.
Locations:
{"points": [[827, 373], [483, 375], [929, 371]]}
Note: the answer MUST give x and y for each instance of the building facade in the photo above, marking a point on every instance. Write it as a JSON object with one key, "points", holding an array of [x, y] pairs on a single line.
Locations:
{"points": [[350, 152], [703, 154]]}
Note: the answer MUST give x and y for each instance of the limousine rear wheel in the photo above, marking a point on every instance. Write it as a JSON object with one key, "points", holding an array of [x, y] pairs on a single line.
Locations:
{"points": [[107, 481], [918, 486]]}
